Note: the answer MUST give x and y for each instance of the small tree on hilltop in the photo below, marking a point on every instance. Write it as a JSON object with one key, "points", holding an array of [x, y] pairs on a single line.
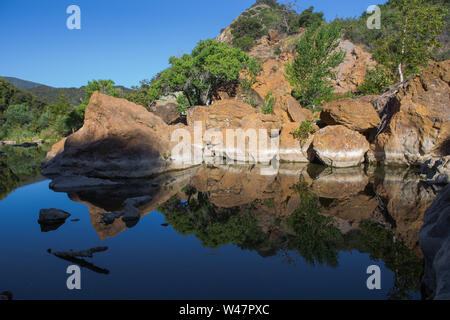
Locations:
{"points": [[311, 71]]}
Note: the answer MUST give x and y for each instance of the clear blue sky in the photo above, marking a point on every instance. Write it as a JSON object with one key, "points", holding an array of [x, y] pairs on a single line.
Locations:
{"points": [[126, 41]]}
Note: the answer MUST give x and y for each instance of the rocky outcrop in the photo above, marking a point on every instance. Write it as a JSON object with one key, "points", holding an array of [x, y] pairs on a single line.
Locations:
{"points": [[339, 147], [435, 243], [355, 114], [351, 73], [416, 118], [119, 139], [168, 113], [437, 171]]}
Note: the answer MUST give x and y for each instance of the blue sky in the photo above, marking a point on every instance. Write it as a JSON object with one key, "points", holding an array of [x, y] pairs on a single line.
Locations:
{"points": [[125, 41]]}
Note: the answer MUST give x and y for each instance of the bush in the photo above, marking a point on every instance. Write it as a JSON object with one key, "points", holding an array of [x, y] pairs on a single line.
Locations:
{"points": [[376, 81], [269, 102], [302, 133]]}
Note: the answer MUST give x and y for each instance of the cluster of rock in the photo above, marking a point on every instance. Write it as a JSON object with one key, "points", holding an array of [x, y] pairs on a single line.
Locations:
{"points": [[406, 126]]}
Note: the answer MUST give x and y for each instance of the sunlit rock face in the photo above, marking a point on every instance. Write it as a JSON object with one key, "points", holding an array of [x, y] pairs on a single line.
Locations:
{"points": [[340, 147], [119, 139], [355, 114], [435, 243], [416, 118]]}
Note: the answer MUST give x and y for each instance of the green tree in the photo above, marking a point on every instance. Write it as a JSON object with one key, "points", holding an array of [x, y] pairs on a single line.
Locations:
{"points": [[311, 71], [198, 75], [74, 120], [412, 37], [309, 18]]}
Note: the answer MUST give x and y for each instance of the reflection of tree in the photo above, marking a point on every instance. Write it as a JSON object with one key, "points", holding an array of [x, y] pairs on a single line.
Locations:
{"points": [[407, 267], [306, 232], [213, 226], [316, 238], [17, 166]]}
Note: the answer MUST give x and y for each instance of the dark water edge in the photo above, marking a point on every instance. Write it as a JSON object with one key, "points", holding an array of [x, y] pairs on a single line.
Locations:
{"points": [[308, 232]]}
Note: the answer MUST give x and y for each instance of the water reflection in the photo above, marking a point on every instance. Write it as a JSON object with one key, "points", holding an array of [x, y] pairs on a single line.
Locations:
{"points": [[311, 211], [303, 212]]}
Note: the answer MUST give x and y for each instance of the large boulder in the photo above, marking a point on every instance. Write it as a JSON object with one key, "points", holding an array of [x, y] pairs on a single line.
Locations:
{"points": [[356, 114], [340, 147], [119, 139], [416, 118], [168, 112], [435, 243]]}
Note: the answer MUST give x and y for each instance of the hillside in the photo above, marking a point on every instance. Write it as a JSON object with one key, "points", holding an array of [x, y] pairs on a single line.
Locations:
{"points": [[50, 95], [22, 84]]}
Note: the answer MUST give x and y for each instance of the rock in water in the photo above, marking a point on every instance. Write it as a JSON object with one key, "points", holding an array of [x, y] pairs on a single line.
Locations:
{"points": [[435, 243], [52, 219], [340, 147], [119, 139]]}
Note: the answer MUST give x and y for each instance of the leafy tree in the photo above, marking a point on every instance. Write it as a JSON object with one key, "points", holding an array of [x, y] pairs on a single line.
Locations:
{"points": [[311, 71], [198, 75], [412, 37], [309, 18]]}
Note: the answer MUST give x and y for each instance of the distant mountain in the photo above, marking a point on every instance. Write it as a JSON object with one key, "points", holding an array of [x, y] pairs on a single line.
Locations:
{"points": [[50, 95], [22, 84]]}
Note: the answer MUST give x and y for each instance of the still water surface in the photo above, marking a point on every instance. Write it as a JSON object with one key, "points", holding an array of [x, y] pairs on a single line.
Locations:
{"points": [[304, 233]]}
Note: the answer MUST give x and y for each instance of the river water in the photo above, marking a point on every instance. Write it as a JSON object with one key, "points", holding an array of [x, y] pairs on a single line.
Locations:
{"points": [[218, 232]]}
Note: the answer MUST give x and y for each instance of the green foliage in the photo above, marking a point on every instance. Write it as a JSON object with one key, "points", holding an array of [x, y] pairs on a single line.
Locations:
{"points": [[277, 51], [308, 18], [198, 75], [214, 227], [412, 37], [407, 267], [316, 237], [263, 16], [147, 93], [409, 36], [19, 165], [10, 95], [269, 102], [311, 71], [303, 132], [376, 81]]}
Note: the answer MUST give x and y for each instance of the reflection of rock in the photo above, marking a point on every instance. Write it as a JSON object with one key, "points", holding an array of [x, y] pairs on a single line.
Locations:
{"points": [[340, 147], [75, 258], [340, 183], [437, 171], [406, 198], [52, 219], [435, 243], [107, 205], [80, 254], [79, 182]]}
